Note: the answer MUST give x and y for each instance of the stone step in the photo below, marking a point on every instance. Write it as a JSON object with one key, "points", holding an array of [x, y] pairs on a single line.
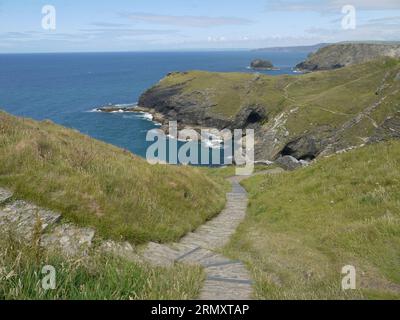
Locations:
{"points": [[226, 279], [120, 249], [211, 241], [233, 271], [21, 217], [72, 241], [182, 248], [215, 259], [5, 195], [203, 257], [160, 255], [194, 256], [216, 289]]}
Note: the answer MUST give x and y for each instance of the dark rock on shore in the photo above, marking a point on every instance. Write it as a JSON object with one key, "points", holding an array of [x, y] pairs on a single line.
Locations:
{"points": [[261, 64], [115, 108], [175, 104]]}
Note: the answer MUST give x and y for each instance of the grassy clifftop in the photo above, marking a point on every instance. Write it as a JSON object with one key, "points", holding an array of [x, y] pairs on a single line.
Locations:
{"points": [[304, 115], [96, 184], [303, 227]]}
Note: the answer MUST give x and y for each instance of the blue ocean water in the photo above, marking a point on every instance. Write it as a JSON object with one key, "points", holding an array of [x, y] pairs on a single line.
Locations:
{"points": [[64, 87]]}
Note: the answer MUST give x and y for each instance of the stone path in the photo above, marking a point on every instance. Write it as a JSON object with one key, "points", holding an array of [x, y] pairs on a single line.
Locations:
{"points": [[226, 279], [27, 221]]}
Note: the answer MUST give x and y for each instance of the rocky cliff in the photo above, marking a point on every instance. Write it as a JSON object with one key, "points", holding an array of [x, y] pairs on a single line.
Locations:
{"points": [[345, 54], [303, 116], [204, 99]]}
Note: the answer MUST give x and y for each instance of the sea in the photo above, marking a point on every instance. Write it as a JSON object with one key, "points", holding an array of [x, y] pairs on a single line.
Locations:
{"points": [[66, 88]]}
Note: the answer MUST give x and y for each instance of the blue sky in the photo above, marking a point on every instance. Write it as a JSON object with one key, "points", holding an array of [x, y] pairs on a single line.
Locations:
{"points": [[146, 25]]}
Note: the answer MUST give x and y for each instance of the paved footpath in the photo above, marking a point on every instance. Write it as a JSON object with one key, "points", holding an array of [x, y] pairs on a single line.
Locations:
{"points": [[226, 279]]}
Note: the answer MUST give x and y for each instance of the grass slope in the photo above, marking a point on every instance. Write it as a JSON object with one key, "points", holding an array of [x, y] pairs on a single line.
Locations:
{"points": [[303, 227], [99, 278], [326, 99], [95, 184]]}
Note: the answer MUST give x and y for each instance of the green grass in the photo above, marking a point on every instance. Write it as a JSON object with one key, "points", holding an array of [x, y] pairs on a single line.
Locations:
{"points": [[323, 99], [230, 171], [304, 226], [229, 91], [95, 184], [98, 278]]}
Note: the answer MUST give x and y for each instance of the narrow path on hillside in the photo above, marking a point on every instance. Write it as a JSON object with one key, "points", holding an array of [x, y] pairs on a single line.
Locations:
{"points": [[226, 279]]}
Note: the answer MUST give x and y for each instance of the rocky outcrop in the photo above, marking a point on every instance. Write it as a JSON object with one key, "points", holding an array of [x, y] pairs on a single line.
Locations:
{"points": [[116, 108], [250, 117], [260, 64], [345, 54], [32, 224], [390, 129], [194, 108], [5, 195], [69, 239], [25, 219], [309, 146], [288, 163]]}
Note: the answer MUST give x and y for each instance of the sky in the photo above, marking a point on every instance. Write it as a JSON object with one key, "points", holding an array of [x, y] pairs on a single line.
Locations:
{"points": [[160, 25]]}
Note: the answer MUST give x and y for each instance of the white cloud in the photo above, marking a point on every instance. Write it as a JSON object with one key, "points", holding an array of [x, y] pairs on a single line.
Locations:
{"points": [[369, 31], [331, 5], [108, 24], [185, 21]]}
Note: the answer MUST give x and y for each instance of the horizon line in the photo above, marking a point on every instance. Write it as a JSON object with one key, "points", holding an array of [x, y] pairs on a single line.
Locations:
{"points": [[205, 49]]}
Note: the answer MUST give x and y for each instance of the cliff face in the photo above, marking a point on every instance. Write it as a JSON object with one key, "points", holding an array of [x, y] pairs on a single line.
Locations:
{"points": [[341, 55], [302, 116], [204, 99]]}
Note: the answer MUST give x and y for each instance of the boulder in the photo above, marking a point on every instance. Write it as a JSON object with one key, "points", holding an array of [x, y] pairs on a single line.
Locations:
{"points": [[72, 241], [22, 218], [288, 163], [123, 250], [5, 195]]}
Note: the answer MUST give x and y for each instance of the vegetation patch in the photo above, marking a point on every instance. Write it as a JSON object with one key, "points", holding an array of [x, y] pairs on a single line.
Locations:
{"points": [[304, 226], [101, 277], [95, 184]]}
